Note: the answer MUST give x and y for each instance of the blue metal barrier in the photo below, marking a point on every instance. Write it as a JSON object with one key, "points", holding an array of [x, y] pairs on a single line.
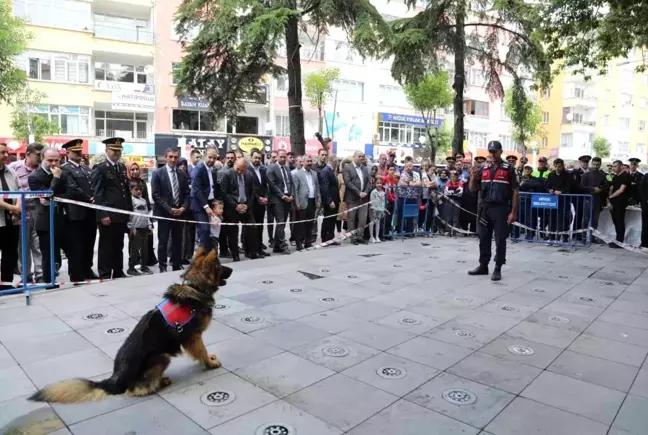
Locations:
{"points": [[557, 220], [26, 288]]}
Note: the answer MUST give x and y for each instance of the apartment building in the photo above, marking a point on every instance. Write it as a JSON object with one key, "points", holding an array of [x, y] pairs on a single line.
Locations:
{"points": [[614, 106], [94, 62]]}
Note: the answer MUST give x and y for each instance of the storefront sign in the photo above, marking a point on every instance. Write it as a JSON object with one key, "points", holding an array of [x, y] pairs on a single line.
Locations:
{"points": [[192, 103], [188, 143], [142, 162], [409, 119], [133, 102], [20, 146], [246, 143], [105, 85], [312, 145]]}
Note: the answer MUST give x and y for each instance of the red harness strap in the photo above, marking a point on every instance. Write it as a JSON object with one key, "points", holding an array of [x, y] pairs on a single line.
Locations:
{"points": [[176, 315]]}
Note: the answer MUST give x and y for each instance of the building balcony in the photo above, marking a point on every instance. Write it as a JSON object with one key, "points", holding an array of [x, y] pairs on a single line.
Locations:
{"points": [[586, 102], [139, 35], [578, 126]]}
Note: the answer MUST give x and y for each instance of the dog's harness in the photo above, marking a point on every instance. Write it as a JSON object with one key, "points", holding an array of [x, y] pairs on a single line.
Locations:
{"points": [[176, 315]]}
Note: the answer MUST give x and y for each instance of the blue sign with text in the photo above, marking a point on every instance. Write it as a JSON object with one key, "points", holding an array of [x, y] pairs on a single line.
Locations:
{"points": [[409, 119], [542, 200]]}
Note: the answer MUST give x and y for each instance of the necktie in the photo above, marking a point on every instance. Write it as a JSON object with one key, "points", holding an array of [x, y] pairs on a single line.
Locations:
{"points": [[285, 178], [174, 186], [241, 189]]}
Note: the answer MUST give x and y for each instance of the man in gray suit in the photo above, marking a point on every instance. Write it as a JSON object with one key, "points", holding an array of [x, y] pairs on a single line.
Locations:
{"points": [[307, 200], [357, 182], [280, 197]]}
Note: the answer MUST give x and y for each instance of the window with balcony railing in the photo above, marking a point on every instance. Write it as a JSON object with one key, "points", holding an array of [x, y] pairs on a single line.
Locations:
{"points": [[63, 14], [476, 108], [122, 29], [282, 125], [623, 147], [341, 51], [128, 125], [349, 90], [70, 119], [624, 123], [56, 67], [566, 140], [115, 72]]}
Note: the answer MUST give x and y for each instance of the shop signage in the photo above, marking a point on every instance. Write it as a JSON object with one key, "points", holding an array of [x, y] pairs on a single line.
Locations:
{"points": [[133, 102], [188, 143], [105, 85], [409, 119], [312, 145], [20, 146], [246, 143], [192, 103]]}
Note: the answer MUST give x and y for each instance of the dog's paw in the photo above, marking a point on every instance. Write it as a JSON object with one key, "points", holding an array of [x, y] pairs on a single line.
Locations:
{"points": [[165, 381], [213, 362]]}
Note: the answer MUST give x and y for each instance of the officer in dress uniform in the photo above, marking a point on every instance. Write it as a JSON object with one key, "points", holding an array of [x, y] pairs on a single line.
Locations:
{"points": [[499, 194], [81, 222], [110, 188], [635, 194]]}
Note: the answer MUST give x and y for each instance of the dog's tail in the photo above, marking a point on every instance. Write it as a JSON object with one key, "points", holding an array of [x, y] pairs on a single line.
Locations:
{"points": [[77, 391]]}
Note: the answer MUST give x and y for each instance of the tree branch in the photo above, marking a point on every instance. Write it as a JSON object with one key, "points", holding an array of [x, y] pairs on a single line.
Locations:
{"points": [[506, 66], [311, 9], [497, 26]]}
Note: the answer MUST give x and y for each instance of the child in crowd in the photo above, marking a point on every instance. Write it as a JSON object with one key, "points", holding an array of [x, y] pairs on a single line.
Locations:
{"points": [[454, 191], [215, 223], [378, 212], [138, 230]]}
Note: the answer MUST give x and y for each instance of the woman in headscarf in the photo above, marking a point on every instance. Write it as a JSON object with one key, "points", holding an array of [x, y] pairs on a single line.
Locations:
{"points": [[134, 173]]}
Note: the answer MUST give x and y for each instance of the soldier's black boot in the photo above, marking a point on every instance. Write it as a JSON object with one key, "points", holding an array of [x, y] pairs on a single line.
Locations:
{"points": [[482, 269], [497, 274]]}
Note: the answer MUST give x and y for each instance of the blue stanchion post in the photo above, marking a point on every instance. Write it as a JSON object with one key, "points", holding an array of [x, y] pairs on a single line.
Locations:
{"points": [[23, 249], [52, 266]]}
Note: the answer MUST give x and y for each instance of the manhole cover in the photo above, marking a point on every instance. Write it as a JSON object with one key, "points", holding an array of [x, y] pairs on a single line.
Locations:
{"points": [[218, 398], [94, 316], [275, 429], [385, 282], [352, 276], [114, 331], [398, 265], [539, 290], [325, 270], [463, 299], [558, 319], [461, 261], [266, 282], [220, 306], [460, 397], [391, 372], [409, 321], [608, 283], [329, 299], [464, 334], [521, 350], [563, 277], [336, 351], [252, 319], [497, 283], [509, 309], [407, 253], [295, 290], [586, 299]]}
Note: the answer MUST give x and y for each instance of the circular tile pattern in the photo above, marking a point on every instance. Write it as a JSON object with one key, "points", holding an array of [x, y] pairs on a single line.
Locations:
{"points": [[563, 277], [94, 316], [325, 270], [409, 321], [463, 299], [352, 276], [586, 299], [114, 331], [464, 334], [390, 372], [218, 398], [220, 306], [605, 283], [275, 429], [267, 282], [296, 290], [518, 349], [252, 319], [509, 309], [458, 396], [328, 299], [558, 319], [336, 351], [398, 265], [539, 290]]}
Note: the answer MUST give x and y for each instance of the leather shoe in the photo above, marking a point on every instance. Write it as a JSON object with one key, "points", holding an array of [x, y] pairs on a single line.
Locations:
{"points": [[264, 247], [119, 275], [163, 269], [253, 256], [176, 268], [91, 275], [133, 272], [236, 258], [497, 274], [479, 270], [264, 254]]}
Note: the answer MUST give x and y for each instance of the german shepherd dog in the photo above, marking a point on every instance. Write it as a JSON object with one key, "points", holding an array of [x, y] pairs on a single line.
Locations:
{"points": [[142, 359]]}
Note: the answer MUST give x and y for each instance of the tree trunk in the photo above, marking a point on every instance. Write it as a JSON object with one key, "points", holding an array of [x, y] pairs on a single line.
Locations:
{"points": [[321, 120], [459, 79], [295, 110], [435, 143]]}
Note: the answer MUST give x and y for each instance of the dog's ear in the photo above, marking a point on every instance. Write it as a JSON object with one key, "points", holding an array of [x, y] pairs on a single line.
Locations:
{"points": [[200, 252], [211, 267]]}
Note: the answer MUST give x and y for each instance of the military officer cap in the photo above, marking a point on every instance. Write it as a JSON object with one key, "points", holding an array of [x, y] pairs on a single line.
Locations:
{"points": [[494, 145], [585, 159], [480, 159], [75, 145], [634, 160], [511, 157], [114, 143]]}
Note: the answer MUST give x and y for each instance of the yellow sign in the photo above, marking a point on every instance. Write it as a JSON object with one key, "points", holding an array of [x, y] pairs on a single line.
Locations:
{"points": [[247, 143]]}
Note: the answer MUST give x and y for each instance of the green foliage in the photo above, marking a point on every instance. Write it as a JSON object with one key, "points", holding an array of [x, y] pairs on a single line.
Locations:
{"points": [[585, 35], [318, 86], [601, 147], [13, 40], [443, 138], [25, 123], [525, 115]]}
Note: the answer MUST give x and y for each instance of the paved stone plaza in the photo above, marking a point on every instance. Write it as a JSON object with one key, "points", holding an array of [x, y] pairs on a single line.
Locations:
{"points": [[389, 339]]}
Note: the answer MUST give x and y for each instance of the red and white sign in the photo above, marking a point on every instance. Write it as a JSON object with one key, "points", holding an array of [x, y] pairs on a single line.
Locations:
{"points": [[283, 143], [20, 146]]}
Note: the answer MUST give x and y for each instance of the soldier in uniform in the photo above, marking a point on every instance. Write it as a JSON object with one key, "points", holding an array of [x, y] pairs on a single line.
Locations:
{"points": [[80, 222], [635, 194], [110, 188], [499, 195]]}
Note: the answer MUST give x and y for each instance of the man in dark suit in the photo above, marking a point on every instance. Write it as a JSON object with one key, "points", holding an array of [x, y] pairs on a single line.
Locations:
{"points": [[204, 190], [357, 181], [238, 193], [48, 176], [330, 198], [170, 191], [110, 187], [80, 222], [281, 191], [260, 196]]}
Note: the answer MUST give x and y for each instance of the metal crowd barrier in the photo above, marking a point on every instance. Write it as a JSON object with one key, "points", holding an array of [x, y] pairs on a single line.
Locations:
{"points": [[554, 219], [26, 287]]}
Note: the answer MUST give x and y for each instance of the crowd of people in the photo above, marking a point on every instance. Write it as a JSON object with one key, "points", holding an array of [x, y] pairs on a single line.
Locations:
{"points": [[223, 196]]}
